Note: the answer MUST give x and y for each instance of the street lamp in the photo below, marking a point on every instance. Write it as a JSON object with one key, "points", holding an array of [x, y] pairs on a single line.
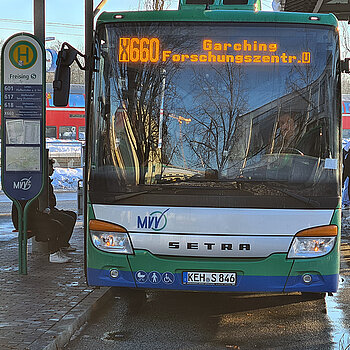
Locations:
{"points": [[180, 120]]}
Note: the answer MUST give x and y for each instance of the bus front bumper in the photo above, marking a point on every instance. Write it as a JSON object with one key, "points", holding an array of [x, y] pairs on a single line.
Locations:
{"points": [[273, 274]]}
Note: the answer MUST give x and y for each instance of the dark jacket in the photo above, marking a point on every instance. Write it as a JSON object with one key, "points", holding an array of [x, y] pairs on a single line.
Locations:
{"points": [[52, 197], [32, 216]]}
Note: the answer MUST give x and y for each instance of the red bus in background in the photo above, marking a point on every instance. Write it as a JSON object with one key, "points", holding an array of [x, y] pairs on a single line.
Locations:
{"points": [[346, 116], [67, 123]]}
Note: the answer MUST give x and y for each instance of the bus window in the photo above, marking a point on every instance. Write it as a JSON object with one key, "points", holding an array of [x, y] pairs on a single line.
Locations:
{"points": [[51, 131], [67, 132], [76, 115], [81, 133], [76, 100]]}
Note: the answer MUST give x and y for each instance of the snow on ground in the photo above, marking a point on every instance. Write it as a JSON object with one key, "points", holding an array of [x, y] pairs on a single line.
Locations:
{"points": [[66, 178]]}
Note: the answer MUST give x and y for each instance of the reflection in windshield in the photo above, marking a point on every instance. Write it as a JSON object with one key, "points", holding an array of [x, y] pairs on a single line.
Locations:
{"points": [[180, 108]]}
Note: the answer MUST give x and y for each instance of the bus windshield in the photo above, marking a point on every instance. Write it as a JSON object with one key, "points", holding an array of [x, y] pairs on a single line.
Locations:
{"points": [[216, 115]]}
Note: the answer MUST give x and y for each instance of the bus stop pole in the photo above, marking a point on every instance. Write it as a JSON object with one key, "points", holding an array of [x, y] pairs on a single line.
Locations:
{"points": [[22, 245], [23, 249], [39, 31], [39, 20], [89, 26]]}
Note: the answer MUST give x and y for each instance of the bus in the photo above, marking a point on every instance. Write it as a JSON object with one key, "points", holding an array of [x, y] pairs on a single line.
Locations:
{"points": [[67, 123], [213, 143], [346, 116]]}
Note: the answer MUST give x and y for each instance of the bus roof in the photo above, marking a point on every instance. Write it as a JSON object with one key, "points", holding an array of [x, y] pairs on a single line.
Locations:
{"points": [[201, 15]]}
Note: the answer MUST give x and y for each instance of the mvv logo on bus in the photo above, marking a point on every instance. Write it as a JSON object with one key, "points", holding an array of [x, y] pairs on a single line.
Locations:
{"points": [[156, 221]]}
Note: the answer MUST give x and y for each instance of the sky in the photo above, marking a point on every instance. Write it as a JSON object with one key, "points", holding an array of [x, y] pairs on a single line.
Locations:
{"points": [[64, 18]]}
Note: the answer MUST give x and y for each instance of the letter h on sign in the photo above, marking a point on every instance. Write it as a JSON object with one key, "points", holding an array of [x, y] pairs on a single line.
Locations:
{"points": [[21, 54]]}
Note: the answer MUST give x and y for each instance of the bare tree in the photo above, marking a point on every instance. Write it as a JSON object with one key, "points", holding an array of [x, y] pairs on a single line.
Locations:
{"points": [[345, 43], [154, 5], [345, 38], [219, 99]]}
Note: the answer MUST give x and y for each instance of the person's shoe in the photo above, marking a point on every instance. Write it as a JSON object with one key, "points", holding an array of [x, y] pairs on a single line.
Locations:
{"points": [[59, 258], [69, 249], [64, 255]]}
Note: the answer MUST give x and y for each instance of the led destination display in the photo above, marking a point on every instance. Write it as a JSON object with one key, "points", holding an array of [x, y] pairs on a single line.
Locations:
{"points": [[149, 50]]}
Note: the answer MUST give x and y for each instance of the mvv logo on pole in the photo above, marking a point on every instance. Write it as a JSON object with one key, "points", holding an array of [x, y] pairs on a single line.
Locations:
{"points": [[24, 184]]}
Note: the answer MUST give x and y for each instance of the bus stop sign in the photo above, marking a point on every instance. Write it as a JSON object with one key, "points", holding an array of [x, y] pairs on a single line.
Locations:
{"points": [[22, 116]]}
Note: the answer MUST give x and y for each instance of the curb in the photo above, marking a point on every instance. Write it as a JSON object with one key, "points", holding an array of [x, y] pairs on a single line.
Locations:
{"points": [[60, 334]]}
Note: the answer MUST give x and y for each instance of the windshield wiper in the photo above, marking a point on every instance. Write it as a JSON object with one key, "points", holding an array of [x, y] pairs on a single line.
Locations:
{"points": [[289, 193], [129, 195], [303, 199]]}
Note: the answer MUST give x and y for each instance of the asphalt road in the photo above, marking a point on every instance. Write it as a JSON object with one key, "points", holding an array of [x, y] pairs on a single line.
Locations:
{"points": [[220, 321]]}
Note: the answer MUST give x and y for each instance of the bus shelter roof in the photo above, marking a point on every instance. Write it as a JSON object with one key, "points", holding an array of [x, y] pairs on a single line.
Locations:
{"points": [[341, 8]]}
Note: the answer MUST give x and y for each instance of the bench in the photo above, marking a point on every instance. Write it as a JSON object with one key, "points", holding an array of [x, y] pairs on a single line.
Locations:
{"points": [[42, 236], [37, 246], [31, 234]]}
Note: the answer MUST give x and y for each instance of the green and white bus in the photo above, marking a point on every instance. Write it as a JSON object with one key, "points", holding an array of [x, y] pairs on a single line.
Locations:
{"points": [[213, 150]]}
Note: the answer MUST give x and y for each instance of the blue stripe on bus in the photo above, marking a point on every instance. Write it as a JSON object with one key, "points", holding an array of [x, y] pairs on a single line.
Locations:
{"points": [[96, 277], [327, 283]]}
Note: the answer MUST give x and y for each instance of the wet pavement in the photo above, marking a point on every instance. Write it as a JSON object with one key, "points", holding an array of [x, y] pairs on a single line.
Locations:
{"points": [[43, 309]]}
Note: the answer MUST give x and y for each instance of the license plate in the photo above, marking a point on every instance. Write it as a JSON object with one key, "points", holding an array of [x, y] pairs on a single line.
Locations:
{"points": [[209, 278]]}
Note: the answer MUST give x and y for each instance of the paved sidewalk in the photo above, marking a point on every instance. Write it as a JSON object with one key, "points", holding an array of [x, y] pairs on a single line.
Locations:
{"points": [[41, 310]]}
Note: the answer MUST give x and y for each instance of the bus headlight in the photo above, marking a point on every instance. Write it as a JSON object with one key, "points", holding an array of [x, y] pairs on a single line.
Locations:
{"points": [[110, 237], [314, 242], [303, 247]]}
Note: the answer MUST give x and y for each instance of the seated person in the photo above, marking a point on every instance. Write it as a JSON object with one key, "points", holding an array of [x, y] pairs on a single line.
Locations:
{"points": [[66, 217], [286, 139], [45, 229], [293, 139], [54, 226]]}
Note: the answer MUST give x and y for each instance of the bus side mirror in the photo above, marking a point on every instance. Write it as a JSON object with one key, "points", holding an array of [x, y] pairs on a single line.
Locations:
{"points": [[61, 85], [345, 65]]}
